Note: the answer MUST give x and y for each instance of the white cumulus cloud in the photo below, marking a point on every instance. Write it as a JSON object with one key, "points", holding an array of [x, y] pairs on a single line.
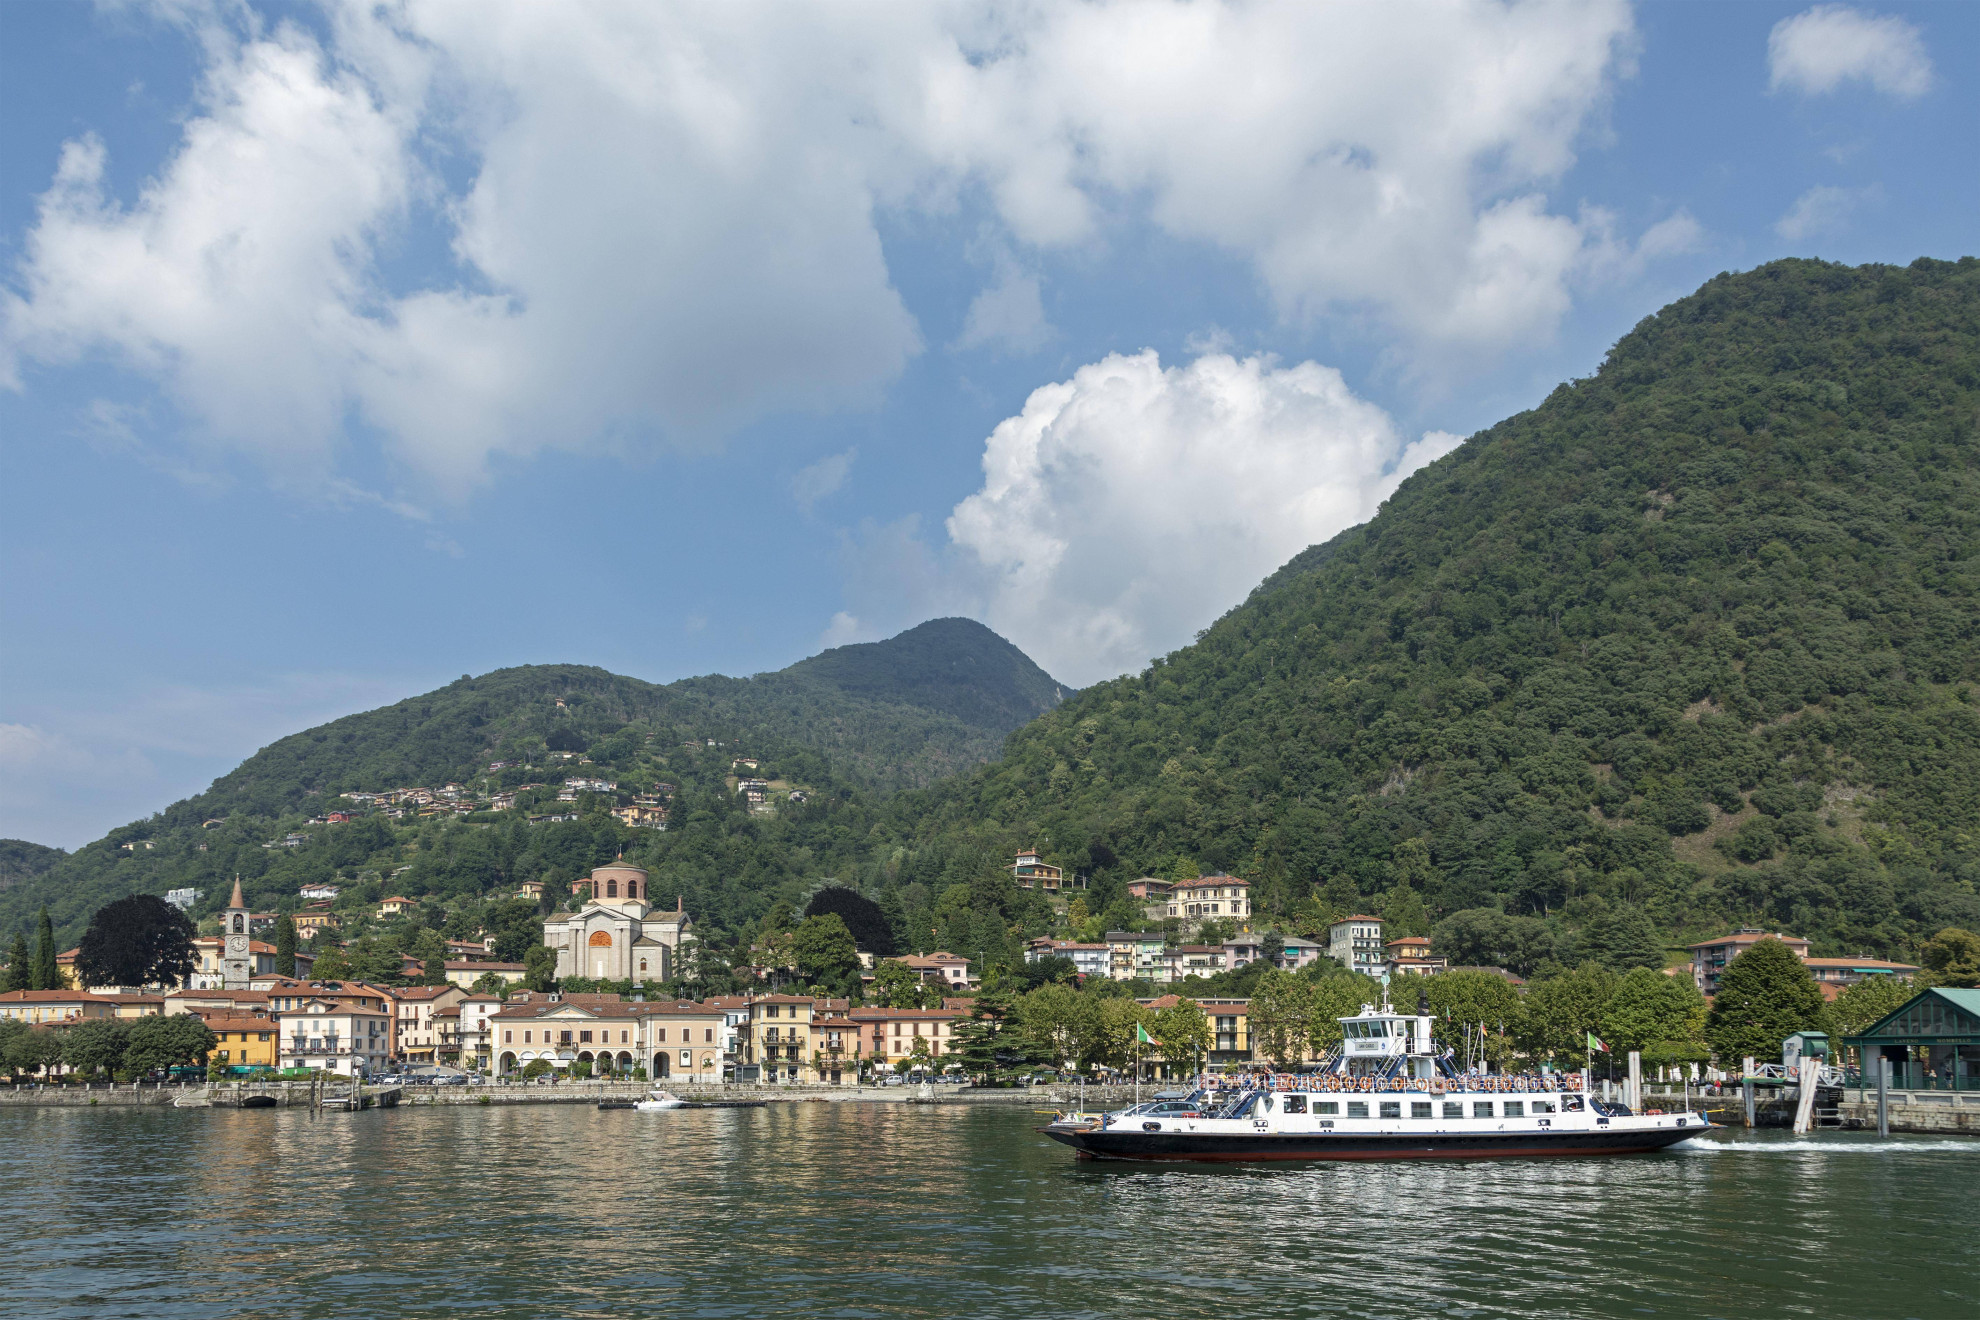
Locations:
{"points": [[1129, 506], [659, 222], [1820, 50]]}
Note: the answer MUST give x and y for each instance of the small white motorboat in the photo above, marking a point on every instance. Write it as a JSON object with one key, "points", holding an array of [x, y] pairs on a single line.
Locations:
{"points": [[661, 1100]]}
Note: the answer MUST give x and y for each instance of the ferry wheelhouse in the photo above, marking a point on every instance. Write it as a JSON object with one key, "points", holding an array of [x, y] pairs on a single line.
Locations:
{"points": [[1385, 1093]]}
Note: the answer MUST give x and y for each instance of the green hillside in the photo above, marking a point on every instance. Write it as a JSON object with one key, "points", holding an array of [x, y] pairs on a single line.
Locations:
{"points": [[1692, 644], [866, 719], [21, 860], [1696, 638]]}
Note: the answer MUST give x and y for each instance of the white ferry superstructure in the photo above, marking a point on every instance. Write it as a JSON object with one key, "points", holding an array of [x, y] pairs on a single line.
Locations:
{"points": [[1386, 1093]]}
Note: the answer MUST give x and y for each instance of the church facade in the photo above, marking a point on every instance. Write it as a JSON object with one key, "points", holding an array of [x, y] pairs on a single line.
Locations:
{"points": [[614, 934]]}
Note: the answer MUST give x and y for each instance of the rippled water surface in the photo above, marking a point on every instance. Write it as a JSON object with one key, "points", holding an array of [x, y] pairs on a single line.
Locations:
{"points": [[886, 1210]]}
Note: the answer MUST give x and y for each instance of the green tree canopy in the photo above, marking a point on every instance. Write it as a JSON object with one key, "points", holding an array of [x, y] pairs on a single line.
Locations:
{"points": [[1648, 1008], [1765, 995], [1280, 1017], [823, 951], [1621, 938], [1184, 1031], [96, 1045], [1861, 1006], [1952, 958], [1562, 1011], [285, 946], [136, 941], [1487, 937], [45, 973], [1475, 1009]]}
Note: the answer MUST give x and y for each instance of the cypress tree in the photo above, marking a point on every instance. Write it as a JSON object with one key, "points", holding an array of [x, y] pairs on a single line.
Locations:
{"points": [[285, 946], [1765, 995], [17, 975], [45, 974]]}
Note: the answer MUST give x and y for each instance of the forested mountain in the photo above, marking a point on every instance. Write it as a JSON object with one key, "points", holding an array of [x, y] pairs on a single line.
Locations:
{"points": [[1691, 644], [870, 718], [1696, 638]]}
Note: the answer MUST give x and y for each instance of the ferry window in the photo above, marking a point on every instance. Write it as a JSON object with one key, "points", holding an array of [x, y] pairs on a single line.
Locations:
{"points": [[1543, 1106], [1391, 1109], [1481, 1108], [1295, 1104], [1571, 1103], [1419, 1109], [1326, 1106], [1357, 1109], [1453, 1109], [1515, 1109]]}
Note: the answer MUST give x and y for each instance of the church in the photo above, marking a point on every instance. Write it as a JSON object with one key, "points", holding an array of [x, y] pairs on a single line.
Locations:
{"points": [[614, 934]]}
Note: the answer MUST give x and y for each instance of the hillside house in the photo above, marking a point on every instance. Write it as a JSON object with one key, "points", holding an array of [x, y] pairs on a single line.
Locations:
{"points": [[1410, 956], [1355, 943], [1033, 872]]}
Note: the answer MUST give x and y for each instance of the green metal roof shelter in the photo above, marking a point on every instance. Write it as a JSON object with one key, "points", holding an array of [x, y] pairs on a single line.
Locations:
{"points": [[1933, 1042]]}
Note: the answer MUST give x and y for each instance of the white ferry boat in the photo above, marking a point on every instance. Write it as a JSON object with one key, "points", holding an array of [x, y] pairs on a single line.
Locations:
{"points": [[1385, 1094]]}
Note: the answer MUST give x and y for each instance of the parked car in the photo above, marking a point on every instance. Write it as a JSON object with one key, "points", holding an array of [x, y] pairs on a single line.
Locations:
{"points": [[452, 1079]]}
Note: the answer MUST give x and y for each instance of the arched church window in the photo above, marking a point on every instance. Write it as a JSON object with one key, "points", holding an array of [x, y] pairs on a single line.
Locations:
{"points": [[239, 923], [611, 889]]}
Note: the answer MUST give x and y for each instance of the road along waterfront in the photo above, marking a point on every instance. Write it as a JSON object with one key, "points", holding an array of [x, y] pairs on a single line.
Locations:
{"points": [[908, 1210]]}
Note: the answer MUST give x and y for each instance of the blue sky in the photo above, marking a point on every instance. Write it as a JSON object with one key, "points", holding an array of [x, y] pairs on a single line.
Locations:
{"points": [[347, 349]]}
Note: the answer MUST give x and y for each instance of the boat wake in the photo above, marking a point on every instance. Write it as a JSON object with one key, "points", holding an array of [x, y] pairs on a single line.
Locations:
{"points": [[1834, 1146]]}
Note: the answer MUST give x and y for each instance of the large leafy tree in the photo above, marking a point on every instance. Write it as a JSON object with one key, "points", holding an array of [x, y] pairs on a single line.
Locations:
{"points": [[96, 1045], [1648, 1008], [1184, 1031], [1869, 1002], [1952, 958], [1487, 937], [1562, 1011], [1474, 1010], [36, 1049], [1281, 1017], [136, 941], [863, 917], [1622, 938], [823, 952], [539, 967], [1060, 1022], [895, 985], [163, 1042], [1765, 995]]}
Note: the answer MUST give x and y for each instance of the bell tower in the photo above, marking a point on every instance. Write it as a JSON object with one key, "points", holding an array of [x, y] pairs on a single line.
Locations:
{"points": [[236, 962]]}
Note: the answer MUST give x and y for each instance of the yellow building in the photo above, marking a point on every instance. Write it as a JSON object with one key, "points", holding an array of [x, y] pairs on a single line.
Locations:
{"points": [[778, 1039], [51, 1006], [890, 1035], [245, 1042]]}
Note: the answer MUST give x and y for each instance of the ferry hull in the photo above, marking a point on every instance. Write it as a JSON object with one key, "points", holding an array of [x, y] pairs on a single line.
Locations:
{"points": [[1239, 1148]]}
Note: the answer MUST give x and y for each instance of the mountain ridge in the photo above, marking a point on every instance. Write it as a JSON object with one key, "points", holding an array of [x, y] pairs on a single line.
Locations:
{"points": [[876, 717]]}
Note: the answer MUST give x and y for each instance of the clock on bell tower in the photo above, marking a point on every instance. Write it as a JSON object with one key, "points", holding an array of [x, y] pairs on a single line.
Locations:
{"points": [[236, 959]]}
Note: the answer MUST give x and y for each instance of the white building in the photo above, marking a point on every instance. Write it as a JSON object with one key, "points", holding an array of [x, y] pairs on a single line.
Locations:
{"points": [[1087, 959], [1356, 944], [615, 935], [339, 1037]]}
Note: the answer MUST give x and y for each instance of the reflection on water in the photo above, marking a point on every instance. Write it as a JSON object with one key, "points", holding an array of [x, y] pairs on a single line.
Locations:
{"points": [[886, 1210]]}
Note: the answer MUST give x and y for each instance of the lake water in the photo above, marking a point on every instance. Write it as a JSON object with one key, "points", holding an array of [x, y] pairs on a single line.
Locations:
{"points": [[890, 1210]]}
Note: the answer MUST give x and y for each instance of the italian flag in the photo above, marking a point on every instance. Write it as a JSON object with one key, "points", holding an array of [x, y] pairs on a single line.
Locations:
{"points": [[1142, 1036], [1595, 1043]]}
